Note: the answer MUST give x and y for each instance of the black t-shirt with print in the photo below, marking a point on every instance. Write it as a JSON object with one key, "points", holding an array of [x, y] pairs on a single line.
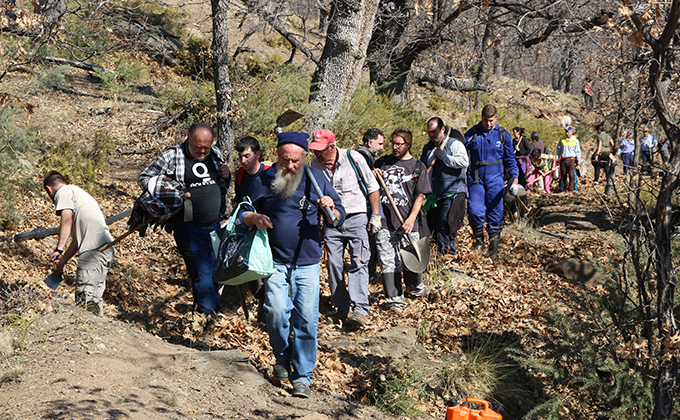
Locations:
{"points": [[400, 183], [201, 179]]}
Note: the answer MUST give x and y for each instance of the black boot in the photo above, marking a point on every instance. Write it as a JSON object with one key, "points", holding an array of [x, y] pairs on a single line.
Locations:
{"points": [[479, 238], [494, 239]]}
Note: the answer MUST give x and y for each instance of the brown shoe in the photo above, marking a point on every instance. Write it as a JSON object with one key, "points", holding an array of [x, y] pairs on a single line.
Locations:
{"points": [[356, 319]]}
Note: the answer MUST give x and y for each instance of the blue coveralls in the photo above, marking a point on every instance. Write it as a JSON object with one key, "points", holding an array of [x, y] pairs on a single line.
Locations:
{"points": [[486, 186]]}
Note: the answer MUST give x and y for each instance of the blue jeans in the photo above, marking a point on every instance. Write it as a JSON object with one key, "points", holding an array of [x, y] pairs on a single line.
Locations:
{"points": [[627, 159], [292, 299], [196, 248]]}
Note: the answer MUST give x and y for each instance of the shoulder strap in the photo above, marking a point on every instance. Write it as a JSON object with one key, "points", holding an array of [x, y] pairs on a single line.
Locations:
{"points": [[416, 174], [360, 179], [239, 175]]}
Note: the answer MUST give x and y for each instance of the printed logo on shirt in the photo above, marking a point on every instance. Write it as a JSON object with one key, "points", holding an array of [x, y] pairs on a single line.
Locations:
{"points": [[395, 178], [201, 171], [499, 144], [304, 204]]}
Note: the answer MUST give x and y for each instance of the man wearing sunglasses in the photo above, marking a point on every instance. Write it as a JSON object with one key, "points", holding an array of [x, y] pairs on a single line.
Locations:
{"points": [[347, 171]]}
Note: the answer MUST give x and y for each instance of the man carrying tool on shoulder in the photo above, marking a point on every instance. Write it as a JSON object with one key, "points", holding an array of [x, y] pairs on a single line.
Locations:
{"points": [[407, 181], [83, 221], [288, 206], [491, 153], [352, 179], [446, 158], [198, 166]]}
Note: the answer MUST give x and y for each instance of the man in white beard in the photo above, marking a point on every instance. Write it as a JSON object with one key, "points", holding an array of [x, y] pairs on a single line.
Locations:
{"points": [[286, 181], [288, 207]]}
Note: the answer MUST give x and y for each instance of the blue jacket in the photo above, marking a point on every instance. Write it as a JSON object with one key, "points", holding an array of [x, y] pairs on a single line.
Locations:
{"points": [[488, 151], [294, 239], [448, 175]]}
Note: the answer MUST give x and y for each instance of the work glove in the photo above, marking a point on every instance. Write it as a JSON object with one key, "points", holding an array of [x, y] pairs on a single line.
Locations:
{"points": [[374, 224], [514, 188]]}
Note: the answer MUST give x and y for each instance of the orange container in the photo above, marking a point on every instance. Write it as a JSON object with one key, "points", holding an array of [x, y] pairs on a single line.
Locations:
{"points": [[462, 412]]}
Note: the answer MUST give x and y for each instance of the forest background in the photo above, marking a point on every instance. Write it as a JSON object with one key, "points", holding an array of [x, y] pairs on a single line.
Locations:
{"points": [[96, 89]]}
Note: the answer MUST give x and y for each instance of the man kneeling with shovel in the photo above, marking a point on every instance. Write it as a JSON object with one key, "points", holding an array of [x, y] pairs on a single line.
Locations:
{"points": [[405, 184]]}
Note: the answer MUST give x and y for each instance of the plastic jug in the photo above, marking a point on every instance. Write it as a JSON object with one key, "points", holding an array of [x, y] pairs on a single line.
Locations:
{"points": [[462, 412]]}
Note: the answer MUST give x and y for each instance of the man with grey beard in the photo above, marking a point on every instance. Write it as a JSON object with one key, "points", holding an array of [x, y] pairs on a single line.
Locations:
{"points": [[286, 204]]}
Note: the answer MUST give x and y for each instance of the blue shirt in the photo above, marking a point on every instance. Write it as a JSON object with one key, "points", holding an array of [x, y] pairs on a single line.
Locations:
{"points": [[294, 239], [627, 146]]}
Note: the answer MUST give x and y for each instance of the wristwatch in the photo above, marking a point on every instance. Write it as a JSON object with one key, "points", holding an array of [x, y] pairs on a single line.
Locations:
{"points": [[56, 249]]}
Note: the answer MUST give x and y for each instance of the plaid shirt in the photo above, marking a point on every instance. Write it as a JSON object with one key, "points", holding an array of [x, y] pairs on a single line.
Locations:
{"points": [[166, 201], [171, 164], [345, 182]]}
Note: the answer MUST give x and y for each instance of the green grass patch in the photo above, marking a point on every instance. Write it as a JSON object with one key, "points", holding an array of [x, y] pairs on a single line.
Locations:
{"points": [[396, 389]]}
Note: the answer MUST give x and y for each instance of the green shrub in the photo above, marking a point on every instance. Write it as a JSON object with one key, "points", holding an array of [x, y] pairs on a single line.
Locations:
{"points": [[82, 167], [368, 109], [199, 95], [15, 158], [439, 103], [395, 389], [55, 78], [127, 74], [195, 60], [276, 41], [598, 360]]}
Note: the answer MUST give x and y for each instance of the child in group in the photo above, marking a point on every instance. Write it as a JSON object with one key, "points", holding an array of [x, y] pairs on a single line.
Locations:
{"points": [[544, 166]]}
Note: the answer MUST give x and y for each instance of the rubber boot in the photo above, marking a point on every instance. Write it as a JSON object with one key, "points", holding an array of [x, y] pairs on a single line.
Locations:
{"points": [[494, 239], [479, 238]]}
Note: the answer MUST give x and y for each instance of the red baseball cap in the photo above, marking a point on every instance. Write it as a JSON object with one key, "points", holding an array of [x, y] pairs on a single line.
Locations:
{"points": [[321, 139]]}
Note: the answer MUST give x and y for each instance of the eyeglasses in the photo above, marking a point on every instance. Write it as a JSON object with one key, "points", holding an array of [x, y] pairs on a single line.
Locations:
{"points": [[318, 152], [397, 145]]}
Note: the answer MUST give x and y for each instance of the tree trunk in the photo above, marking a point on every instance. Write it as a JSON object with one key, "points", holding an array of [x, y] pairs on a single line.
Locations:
{"points": [[339, 69], [52, 10], [483, 73], [448, 82], [499, 56], [223, 91]]}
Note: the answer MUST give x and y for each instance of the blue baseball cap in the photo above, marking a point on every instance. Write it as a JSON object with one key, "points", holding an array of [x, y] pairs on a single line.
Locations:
{"points": [[294, 137], [569, 128]]}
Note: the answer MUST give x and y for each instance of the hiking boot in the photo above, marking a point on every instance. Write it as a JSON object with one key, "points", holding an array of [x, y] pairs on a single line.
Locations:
{"points": [[479, 238], [281, 371], [301, 390], [494, 239], [356, 319]]}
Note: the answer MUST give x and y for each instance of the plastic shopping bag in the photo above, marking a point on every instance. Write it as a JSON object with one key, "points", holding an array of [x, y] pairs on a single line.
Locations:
{"points": [[244, 253]]}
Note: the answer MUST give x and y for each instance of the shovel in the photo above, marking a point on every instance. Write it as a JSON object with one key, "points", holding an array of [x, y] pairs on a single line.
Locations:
{"points": [[415, 256], [53, 280]]}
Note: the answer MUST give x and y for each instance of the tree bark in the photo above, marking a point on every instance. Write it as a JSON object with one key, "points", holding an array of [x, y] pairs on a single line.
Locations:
{"points": [[448, 82], [339, 69], [52, 10], [483, 73], [223, 90]]}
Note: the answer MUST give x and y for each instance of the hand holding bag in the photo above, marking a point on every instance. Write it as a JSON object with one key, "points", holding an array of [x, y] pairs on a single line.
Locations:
{"points": [[244, 253]]}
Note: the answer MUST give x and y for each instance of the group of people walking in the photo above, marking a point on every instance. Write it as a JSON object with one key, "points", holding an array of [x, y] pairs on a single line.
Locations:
{"points": [[368, 206]]}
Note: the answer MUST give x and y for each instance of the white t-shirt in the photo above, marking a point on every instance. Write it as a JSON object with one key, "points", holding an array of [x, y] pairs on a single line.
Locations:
{"points": [[89, 227]]}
